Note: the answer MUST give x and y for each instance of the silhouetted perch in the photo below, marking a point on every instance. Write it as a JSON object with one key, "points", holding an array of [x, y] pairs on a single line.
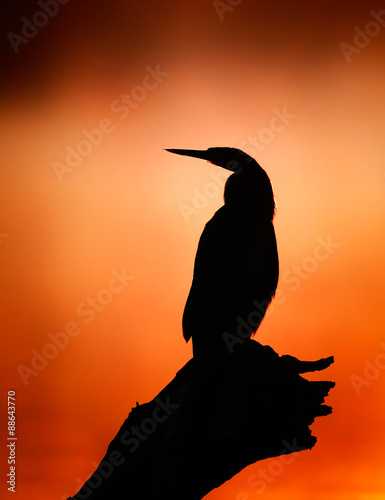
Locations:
{"points": [[208, 424]]}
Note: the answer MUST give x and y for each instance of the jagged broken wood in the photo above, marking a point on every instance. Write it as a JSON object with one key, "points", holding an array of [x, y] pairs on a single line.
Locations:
{"points": [[208, 424]]}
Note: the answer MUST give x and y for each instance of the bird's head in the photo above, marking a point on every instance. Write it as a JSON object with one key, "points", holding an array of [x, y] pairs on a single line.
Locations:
{"points": [[229, 158], [248, 187]]}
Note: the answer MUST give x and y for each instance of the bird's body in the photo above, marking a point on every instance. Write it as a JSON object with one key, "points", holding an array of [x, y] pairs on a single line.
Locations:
{"points": [[236, 265], [235, 277]]}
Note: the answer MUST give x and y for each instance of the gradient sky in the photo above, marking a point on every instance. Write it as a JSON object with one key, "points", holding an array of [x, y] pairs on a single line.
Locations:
{"points": [[222, 77]]}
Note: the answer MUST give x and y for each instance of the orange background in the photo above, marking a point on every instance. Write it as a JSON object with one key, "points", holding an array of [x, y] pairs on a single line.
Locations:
{"points": [[122, 207]]}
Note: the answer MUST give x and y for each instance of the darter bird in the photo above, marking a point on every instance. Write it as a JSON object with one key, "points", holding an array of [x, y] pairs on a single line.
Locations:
{"points": [[236, 265]]}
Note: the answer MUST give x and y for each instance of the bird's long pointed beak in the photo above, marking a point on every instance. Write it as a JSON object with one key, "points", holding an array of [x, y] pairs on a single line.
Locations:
{"points": [[195, 153]]}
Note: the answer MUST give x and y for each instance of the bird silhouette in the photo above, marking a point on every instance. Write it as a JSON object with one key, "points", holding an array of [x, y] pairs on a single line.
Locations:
{"points": [[213, 420], [236, 265]]}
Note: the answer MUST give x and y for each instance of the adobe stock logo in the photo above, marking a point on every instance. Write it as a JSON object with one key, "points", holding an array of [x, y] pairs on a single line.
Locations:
{"points": [[275, 468], [222, 7], [293, 276], [40, 19], [132, 438], [121, 107], [201, 197], [371, 372], [363, 37], [88, 310]]}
